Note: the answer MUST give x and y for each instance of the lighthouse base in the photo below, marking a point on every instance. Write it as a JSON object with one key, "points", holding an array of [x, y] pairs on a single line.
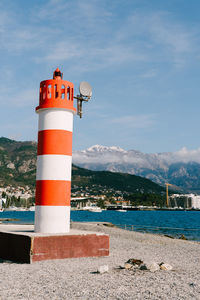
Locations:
{"points": [[21, 244]]}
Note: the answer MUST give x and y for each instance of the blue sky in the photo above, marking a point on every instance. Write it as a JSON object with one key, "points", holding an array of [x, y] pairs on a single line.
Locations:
{"points": [[141, 57]]}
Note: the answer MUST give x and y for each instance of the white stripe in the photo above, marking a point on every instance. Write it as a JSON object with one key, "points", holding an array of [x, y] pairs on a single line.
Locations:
{"points": [[54, 167], [55, 118], [52, 219]]}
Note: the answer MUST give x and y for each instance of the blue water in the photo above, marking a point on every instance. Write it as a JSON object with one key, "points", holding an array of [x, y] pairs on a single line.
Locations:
{"points": [[173, 223]]}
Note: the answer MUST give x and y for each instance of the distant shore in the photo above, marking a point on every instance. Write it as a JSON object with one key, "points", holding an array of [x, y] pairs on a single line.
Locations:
{"points": [[77, 278], [119, 207]]}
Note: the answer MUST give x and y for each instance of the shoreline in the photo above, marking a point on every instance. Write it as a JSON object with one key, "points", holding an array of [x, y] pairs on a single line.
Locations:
{"points": [[131, 228], [77, 278]]}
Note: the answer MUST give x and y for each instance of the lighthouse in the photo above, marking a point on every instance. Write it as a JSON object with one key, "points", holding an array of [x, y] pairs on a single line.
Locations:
{"points": [[54, 155], [53, 238]]}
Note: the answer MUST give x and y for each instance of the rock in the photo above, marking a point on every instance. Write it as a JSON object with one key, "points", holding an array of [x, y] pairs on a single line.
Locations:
{"points": [[10, 166], [128, 266], [169, 236], [102, 269], [134, 261], [192, 284], [182, 237], [165, 267], [152, 267], [27, 165], [109, 224]]}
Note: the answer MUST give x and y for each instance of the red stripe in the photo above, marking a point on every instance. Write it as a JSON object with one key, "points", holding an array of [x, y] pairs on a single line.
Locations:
{"points": [[55, 142], [53, 192]]}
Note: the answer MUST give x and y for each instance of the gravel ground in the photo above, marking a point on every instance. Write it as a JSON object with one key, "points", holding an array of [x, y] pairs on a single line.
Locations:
{"points": [[77, 278]]}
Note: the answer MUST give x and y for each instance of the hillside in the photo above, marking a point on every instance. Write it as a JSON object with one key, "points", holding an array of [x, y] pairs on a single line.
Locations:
{"points": [[18, 167], [17, 162], [116, 181]]}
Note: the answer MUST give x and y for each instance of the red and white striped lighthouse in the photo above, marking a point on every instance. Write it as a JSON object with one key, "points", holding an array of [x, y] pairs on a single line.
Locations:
{"points": [[54, 156]]}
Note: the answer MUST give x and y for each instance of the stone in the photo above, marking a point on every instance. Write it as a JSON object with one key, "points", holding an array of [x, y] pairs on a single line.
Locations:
{"points": [[103, 269], [182, 237], [165, 267], [128, 266], [10, 166], [169, 236], [151, 266], [134, 261]]}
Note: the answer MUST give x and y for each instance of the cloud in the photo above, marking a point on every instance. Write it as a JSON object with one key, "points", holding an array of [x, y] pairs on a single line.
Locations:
{"points": [[51, 9], [149, 74], [113, 156], [160, 36], [167, 32], [20, 127], [25, 98], [98, 154], [86, 36], [135, 121], [78, 12], [92, 58], [64, 51], [173, 37], [183, 155]]}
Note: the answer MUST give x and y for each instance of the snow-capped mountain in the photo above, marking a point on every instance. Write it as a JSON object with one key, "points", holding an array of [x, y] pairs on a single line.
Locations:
{"points": [[181, 168]]}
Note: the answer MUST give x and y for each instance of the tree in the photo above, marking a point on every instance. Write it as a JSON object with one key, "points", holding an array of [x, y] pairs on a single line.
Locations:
{"points": [[3, 195], [101, 203]]}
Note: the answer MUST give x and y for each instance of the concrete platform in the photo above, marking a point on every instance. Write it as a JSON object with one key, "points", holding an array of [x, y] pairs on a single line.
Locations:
{"points": [[20, 243]]}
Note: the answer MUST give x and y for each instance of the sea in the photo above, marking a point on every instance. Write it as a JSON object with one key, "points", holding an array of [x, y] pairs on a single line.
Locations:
{"points": [[171, 223]]}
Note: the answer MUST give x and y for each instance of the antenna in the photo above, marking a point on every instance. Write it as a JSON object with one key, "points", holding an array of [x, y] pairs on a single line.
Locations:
{"points": [[85, 91]]}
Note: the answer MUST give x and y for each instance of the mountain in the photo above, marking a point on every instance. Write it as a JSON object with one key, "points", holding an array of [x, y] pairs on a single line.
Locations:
{"points": [[18, 168], [181, 168]]}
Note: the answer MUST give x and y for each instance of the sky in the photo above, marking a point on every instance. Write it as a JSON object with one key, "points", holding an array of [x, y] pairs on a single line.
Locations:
{"points": [[141, 57]]}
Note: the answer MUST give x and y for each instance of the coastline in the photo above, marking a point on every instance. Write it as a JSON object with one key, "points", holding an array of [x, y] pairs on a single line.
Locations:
{"points": [[176, 224], [76, 278]]}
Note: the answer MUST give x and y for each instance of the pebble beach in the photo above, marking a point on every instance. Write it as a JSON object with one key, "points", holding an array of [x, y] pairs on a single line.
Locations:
{"points": [[78, 278]]}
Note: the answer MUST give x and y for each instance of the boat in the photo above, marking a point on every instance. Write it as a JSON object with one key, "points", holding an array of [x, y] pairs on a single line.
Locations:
{"points": [[32, 208], [121, 210], [95, 209], [21, 209], [92, 208], [11, 208]]}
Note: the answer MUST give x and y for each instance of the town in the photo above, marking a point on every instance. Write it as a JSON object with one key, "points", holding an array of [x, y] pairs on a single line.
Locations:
{"points": [[96, 196]]}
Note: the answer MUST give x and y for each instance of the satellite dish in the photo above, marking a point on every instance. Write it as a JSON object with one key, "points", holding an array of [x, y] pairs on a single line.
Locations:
{"points": [[85, 89]]}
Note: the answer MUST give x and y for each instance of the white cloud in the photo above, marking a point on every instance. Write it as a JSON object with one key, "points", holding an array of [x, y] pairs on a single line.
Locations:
{"points": [[77, 11], [25, 98], [176, 41], [135, 121], [184, 155], [91, 55], [64, 51], [160, 36], [114, 155], [85, 32], [167, 32], [149, 74], [20, 127]]}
